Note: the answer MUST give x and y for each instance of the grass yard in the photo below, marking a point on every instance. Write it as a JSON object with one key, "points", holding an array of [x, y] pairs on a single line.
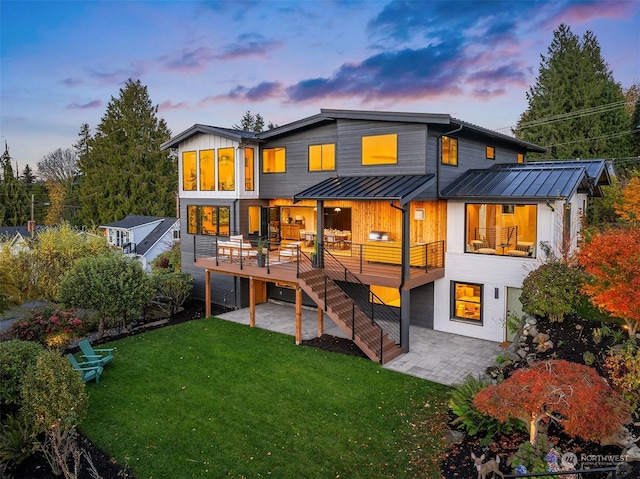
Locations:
{"points": [[211, 398]]}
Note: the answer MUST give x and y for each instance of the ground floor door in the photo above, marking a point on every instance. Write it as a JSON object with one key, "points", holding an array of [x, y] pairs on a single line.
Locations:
{"points": [[514, 310]]}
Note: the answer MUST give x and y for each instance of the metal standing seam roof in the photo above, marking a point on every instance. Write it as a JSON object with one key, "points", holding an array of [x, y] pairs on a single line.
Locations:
{"points": [[520, 181], [403, 188]]}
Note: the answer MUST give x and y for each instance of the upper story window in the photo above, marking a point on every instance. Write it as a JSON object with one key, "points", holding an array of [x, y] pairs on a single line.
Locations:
{"points": [[226, 169], [208, 220], [380, 149], [207, 170], [449, 151], [491, 152], [501, 229], [189, 171], [520, 157], [248, 169], [322, 157], [274, 160]]}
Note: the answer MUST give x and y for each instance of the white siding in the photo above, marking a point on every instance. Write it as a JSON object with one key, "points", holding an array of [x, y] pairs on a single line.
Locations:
{"points": [[492, 271], [212, 142]]}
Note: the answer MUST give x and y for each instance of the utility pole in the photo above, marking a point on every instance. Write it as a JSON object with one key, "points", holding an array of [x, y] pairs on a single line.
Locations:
{"points": [[31, 225]]}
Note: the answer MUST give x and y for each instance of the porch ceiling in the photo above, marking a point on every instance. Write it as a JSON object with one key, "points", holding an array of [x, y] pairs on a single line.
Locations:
{"points": [[402, 188]]}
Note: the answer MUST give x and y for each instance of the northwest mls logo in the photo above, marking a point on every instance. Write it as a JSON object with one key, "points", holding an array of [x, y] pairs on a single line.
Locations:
{"points": [[601, 460], [569, 458]]}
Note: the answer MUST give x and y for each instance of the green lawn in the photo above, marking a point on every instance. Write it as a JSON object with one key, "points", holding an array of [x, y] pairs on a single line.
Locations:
{"points": [[211, 398]]}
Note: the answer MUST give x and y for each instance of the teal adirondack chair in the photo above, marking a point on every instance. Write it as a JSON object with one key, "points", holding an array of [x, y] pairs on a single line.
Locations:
{"points": [[103, 356], [88, 370]]}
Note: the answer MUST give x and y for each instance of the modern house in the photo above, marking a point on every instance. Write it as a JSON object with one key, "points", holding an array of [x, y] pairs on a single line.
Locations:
{"points": [[144, 237], [383, 220]]}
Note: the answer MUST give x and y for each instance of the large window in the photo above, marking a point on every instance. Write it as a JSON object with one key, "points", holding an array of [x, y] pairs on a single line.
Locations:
{"points": [[380, 150], [207, 171], [208, 220], [466, 302], [189, 171], [248, 169], [226, 169], [274, 160], [503, 229], [449, 151], [322, 157]]}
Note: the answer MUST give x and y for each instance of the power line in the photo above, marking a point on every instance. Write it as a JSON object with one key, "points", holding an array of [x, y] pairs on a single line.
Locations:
{"points": [[602, 137]]}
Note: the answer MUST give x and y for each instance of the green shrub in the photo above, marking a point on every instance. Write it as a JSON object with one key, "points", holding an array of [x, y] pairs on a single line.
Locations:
{"points": [[168, 261], [623, 370], [553, 290], [17, 441], [533, 456], [54, 402], [53, 393], [172, 290], [15, 359], [473, 421]]}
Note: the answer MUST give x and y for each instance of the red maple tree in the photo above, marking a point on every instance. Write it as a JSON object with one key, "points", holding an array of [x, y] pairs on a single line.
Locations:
{"points": [[571, 394], [612, 261]]}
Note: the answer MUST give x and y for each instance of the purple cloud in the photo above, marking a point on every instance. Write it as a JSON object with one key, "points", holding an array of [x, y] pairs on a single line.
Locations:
{"points": [[168, 105], [261, 92], [71, 82], [85, 106], [249, 45], [190, 60]]}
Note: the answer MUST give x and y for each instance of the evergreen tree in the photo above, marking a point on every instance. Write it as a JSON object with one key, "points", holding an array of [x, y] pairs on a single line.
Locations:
{"points": [[254, 123], [125, 172], [576, 109], [14, 201], [28, 178]]}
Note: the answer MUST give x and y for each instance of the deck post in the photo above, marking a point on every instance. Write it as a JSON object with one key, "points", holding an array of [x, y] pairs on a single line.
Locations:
{"points": [[298, 316], [320, 322], [252, 302], [207, 293]]}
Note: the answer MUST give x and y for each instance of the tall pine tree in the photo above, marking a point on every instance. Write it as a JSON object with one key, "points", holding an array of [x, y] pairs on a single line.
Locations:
{"points": [[14, 201], [124, 171], [576, 109]]}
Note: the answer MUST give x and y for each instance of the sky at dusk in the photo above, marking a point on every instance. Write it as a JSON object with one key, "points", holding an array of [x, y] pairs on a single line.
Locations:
{"points": [[208, 62]]}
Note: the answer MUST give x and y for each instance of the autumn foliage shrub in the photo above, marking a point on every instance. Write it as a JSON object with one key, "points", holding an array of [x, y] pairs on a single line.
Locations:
{"points": [[571, 394], [51, 327], [473, 421], [612, 263]]}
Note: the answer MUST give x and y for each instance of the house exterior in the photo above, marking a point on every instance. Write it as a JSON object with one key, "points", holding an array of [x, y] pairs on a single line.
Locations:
{"points": [[144, 237], [439, 220]]}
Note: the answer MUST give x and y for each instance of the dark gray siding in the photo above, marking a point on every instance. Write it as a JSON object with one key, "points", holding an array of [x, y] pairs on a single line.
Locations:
{"points": [[412, 140], [297, 177], [422, 306], [471, 153]]}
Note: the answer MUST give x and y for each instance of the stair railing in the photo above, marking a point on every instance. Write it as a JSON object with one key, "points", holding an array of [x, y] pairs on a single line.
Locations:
{"points": [[382, 316]]}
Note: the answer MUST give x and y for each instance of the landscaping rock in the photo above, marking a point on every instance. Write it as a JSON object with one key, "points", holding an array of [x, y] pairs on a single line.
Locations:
{"points": [[632, 454]]}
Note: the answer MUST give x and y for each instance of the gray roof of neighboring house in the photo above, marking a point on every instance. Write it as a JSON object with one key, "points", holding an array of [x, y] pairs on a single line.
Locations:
{"points": [[12, 231], [529, 181], [329, 115], [403, 188], [156, 234], [131, 221]]}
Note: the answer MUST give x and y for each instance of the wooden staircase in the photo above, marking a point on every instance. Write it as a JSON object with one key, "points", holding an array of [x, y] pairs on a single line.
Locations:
{"points": [[368, 336]]}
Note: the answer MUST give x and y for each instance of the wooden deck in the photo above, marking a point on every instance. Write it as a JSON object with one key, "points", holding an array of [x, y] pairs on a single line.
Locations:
{"points": [[285, 270]]}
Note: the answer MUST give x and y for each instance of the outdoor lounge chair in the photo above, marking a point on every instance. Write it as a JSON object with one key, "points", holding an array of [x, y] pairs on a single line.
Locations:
{"points": [[102, 356], [88, 370]]}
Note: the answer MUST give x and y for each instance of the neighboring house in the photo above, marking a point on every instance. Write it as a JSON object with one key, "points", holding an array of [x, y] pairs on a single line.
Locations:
{"points": [[436, 218], [17, 236], [143, 236]]}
